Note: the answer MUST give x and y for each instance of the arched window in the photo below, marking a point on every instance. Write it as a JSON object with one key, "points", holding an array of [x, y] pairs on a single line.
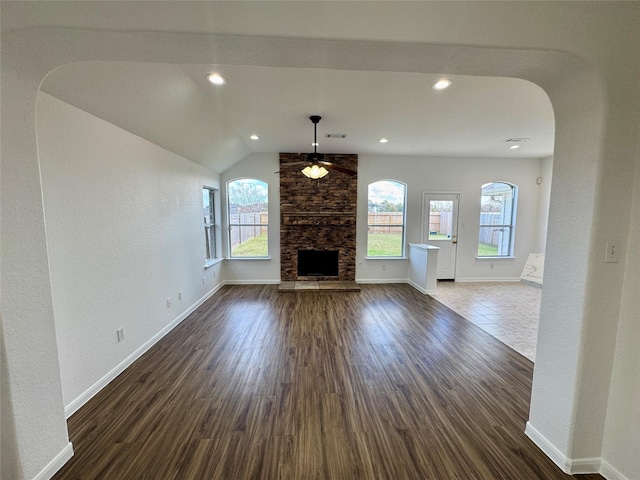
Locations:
{"points": [[497, 220], [248, 205], [386, 219]]}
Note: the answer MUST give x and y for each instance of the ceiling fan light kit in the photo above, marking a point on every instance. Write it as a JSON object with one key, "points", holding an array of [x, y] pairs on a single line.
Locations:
{"points": [[314, 171], [316, 168]]}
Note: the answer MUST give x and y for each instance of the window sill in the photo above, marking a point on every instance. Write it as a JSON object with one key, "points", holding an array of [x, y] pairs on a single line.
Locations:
{"points": [[386, 258], [212, 261], [509, 257], [247, 258]]}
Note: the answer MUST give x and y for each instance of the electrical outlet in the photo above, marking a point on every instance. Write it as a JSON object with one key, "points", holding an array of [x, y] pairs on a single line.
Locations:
{"points": [[214, 274], [203, 280], [179, 295], [120, 334], [169, 302], [612, 252]]}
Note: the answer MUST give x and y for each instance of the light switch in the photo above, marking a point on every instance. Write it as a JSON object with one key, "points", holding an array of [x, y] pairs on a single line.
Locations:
{"points": [[612, 252]]}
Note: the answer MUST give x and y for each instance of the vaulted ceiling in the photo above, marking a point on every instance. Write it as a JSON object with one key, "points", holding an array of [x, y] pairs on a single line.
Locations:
{"points": [[174, 106]]}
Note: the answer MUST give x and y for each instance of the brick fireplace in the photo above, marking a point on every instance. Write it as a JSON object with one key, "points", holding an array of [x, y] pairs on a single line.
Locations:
{"points": [[318, 216]]}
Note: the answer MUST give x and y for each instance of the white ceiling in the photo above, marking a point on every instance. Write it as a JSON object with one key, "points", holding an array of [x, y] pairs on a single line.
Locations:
{"points": [[175, 107]]}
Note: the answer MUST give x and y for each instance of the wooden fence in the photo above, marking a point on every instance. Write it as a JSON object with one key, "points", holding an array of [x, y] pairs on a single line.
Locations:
{"points": [[492, 236], [440, 223], [245, 226], [385, 222]]}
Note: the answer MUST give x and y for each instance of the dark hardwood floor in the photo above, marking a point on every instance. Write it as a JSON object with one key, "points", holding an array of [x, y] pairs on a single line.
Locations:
{"points": [[256, 384]]}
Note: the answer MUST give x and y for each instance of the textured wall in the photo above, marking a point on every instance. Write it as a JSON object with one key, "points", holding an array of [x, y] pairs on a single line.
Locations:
{"points": [[318, 215], [125, 233]]}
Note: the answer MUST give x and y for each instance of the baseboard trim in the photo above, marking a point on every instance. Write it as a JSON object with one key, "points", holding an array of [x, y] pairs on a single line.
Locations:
{"points": [[56, 463], [73, 407], [609, 472], [583, 466], [577, 466], [548, 448], [420, 288], [487, 279]]}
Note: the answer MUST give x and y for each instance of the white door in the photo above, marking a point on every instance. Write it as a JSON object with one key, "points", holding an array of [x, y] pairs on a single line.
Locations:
{"points": [[440, 229]]}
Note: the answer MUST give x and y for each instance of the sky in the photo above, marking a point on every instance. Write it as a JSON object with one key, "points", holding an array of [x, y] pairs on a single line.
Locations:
{"points": [[394, 192]]}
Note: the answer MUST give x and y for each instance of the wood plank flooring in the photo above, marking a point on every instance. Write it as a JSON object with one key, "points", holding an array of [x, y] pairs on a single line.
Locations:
{"points": [[256, 384]]}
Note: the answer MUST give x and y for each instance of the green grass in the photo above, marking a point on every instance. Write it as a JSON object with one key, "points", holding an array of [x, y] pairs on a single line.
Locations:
{"points": [[486, 250], [384, 245], [254, 247], [379, 245]]}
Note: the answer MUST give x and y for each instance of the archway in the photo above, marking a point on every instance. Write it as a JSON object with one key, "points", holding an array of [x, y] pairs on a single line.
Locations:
{"points": [[28, 324]]}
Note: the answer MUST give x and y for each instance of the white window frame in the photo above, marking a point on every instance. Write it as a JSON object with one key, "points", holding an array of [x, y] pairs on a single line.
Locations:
{"points": [[211, 247], [511, 225], [403, 226], [231, 225]]}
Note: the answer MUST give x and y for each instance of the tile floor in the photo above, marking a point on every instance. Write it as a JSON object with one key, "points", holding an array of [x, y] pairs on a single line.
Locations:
{"points": [[507, 311]]}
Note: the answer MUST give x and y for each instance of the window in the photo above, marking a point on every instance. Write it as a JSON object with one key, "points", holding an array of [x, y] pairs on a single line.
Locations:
{"points": [[497, 220], [386, 219], [209, 224], [248, 218]]}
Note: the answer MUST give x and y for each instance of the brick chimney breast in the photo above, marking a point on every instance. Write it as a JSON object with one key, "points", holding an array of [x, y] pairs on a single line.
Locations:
{"points": [[318, 215]]}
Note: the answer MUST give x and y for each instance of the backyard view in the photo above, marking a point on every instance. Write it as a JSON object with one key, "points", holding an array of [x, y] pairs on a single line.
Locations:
{"points": [[385, 222], [248, 218], [497, 207]]}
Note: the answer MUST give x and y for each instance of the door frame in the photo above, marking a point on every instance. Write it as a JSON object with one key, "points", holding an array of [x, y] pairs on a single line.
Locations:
{"points": [[456, 220]]}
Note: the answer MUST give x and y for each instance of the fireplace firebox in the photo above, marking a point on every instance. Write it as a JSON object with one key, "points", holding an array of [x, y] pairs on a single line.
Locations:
{"points": [[318, 263]]}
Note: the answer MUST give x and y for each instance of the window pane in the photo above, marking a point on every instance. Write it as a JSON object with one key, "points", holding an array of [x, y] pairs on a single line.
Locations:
{"points": [[440, 219], [248, 241], [209, 223], [248, 218], [247, 196], [497, 216], [209, 243], [385, 241], [208, 207], [494, 241], [386, 219]]}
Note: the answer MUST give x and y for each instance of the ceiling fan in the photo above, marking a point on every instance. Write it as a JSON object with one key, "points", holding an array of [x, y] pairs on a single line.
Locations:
{"points": [[316, 166]]}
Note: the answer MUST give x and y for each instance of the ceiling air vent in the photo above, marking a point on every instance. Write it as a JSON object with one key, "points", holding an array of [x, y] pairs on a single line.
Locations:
{"points": [[516, 140], [335, 135]]}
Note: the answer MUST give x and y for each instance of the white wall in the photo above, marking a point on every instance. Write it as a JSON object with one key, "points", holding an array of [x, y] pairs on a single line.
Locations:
{"points": [[451, 175], [622, 433], [262, 166], [124, 228], [463, 175], [544, 195]]}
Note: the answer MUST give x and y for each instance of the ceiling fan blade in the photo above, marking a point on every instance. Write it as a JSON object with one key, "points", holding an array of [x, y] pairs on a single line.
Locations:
{"points": [[338, 168]]}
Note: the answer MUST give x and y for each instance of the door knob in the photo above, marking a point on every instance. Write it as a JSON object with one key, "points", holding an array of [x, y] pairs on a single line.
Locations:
{"points": [[454, 242]]}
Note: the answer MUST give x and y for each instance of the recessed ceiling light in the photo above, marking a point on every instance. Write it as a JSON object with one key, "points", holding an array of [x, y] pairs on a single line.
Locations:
{"points": [[216, 79], [513, 147], [254, 137], [442, 84], [383, 140]]}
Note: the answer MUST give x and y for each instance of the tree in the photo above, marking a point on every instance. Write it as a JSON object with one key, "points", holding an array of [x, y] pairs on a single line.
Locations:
{"points": [[245, 197]]}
